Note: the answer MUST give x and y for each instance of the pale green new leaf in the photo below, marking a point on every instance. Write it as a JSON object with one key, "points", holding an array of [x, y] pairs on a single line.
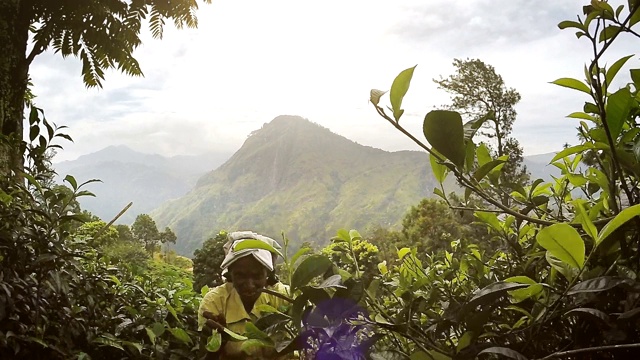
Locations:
{"points": [[613, 70], [563, 242], [572, 84], [399, 89]]}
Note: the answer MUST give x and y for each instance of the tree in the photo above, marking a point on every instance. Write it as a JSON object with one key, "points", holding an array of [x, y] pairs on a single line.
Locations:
{"points": [[102, 34], [477, 90], [168, 236], [431, 226], [207, 261], [96, 235], [124, 233], [145, 230]]}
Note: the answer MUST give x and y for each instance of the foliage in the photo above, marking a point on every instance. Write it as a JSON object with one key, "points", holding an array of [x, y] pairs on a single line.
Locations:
{"points": [[563, 283], [362, 252], [62, 299], [97, 234], [207, 261], [145, 230], [431, 226]]}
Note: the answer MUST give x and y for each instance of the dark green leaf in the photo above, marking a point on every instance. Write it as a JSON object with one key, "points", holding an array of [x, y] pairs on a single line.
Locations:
{"points": [[618, 108], [598, 284], [571, 24], [487, 168], [506, 352], [608, 32], [492, 292], [333, 281], [620, 219], [181, 335], [399, 89], [72, 181], [443, 129], [471, 127], [309, 268], [590, 312], [389, 355]]}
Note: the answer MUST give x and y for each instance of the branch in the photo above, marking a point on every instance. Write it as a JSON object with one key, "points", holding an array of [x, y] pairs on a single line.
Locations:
{"points": [[278, 295], [591, 349]]}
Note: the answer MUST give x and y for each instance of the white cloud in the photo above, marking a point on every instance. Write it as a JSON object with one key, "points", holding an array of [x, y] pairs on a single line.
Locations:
{"points": [[251, 60]]}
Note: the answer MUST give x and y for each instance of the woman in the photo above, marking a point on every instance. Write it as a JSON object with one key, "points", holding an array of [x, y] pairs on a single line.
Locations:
{"points": [[235, 303]]}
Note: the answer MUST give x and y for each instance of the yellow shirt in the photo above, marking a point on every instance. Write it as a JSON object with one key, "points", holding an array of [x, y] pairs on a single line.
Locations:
{"points": [[225, 300]]}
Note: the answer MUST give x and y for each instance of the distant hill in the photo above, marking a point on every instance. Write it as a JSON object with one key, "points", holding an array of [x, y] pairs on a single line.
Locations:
{"points": [[538, 166], [298, 177], [127, 175]]}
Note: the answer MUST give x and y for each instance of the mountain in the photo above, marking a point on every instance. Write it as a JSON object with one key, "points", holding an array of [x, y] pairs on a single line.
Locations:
{"points": [[147, 180], [538, 166], [298, 177]]}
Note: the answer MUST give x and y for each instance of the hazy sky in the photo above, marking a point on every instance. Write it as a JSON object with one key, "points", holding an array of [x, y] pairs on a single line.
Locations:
{"points": [[252, 60]]}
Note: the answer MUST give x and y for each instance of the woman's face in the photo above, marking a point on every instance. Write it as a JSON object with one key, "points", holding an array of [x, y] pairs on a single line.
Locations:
{"points": [[249, 277]]}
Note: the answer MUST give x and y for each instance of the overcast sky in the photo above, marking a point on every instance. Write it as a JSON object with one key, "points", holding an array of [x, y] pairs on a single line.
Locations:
{"points": [[252, 60]]}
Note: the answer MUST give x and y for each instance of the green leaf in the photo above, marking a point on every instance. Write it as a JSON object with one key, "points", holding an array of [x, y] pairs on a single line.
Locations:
{"points": [[491, 293], [486, 169], [255, 244], [301, 252], [181, 335], [620, 219], [563, 242], [264, 308], [465, 340], [403, 252], [443, 129], [252, 332], [432, 355], [439, 171], [390, 355], [613, 70], [506, 352], [587, 225], [572, 84], [608, 32], [520, 295], [599, 284], [471, 127], [233, 336], [618, 108], [399, 89], [253, 346], [635, 74], [581, 115], [151, 334], [309, 268], [571, 150], [158, 329], [375, 96], [354, 235], [571, 24], [214, 342], [560, 266], [599, 314], [333, 281]]}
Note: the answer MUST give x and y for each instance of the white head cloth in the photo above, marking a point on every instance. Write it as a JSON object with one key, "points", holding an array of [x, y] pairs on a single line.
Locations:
{"points": [[265, 257]]}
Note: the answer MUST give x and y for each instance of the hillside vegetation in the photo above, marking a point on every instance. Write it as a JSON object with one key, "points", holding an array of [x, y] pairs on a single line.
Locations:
{"points": [[298, 177]]}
